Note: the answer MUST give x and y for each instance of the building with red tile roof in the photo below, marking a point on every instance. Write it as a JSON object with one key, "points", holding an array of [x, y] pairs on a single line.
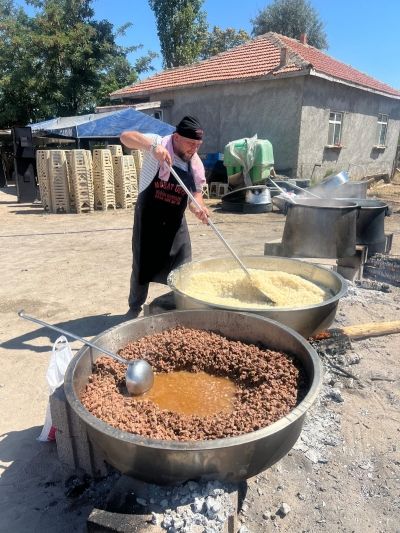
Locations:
{"points": [[319, 113]]}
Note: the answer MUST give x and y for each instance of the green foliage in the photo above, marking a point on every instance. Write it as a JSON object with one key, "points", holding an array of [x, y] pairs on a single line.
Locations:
{"points": [[181, 28], [291, 18], [219, 40], [59, 62]]}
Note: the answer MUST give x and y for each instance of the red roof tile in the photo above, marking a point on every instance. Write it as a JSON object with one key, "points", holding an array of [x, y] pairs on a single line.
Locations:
{"points": [[329, 66], [257, 58]]}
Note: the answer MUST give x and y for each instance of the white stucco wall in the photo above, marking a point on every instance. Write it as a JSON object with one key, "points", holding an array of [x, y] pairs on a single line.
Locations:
{"points": [[271, 109], [359, 130]]}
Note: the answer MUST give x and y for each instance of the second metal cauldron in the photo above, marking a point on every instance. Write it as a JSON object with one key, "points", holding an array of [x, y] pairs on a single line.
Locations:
{"points": [[320, 228], [370, 225], [306, 320]]}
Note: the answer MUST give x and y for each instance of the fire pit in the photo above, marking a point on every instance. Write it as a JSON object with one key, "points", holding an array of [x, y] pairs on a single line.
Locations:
{"points": [[172, 462]]}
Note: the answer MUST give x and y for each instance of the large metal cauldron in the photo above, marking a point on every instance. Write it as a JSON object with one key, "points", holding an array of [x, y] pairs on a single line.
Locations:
{"points": [[306, 320], [370, 226], [171, 462], [320, 228]]}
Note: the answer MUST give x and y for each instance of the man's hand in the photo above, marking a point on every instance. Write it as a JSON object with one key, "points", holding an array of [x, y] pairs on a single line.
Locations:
{"points": [[162, 155], [202, 214]]}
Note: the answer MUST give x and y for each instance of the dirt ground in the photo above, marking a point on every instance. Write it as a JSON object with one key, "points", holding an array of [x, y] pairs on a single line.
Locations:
{"points": [[73, 270]]}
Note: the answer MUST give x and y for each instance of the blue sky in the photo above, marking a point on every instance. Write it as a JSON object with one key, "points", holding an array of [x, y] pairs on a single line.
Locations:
{"points": [[361, 33]]}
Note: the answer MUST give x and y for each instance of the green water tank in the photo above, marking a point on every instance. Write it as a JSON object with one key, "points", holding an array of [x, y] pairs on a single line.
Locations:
{"points": [[263, 158]]}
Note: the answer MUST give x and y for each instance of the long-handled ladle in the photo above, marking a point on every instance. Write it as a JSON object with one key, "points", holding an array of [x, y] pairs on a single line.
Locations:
{"points": [[305, 191], [264, 297], [139, 374], [286, 195]]}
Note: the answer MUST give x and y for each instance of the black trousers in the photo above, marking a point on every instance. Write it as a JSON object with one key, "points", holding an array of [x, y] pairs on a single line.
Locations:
{"points": [[181, 252]]}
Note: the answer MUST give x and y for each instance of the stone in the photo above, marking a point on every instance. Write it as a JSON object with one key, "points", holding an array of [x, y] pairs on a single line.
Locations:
{"points": [[284, 510], [336, 395]]}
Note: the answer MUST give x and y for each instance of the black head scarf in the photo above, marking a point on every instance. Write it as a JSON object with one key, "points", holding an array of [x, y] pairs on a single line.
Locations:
{"points": [[190, 127]]}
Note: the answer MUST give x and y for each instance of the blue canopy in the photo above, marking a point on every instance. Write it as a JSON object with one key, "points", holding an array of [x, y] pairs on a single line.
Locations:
{"points": [[110, 124]]}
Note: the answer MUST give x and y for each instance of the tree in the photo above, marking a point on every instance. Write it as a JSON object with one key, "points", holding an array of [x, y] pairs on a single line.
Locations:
{"points": [[219, 40], [291, 18], [58, 62], [181, 28]]}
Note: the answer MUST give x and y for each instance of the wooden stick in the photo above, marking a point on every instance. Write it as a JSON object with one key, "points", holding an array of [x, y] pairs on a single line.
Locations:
{"points": [[374, 329]]}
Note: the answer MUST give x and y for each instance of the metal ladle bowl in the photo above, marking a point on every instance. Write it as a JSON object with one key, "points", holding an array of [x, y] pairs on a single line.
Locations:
{"points": [[139, 375]]}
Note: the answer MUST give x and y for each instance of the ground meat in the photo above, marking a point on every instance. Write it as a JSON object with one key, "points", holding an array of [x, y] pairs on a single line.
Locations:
{"points": [[269, 383]]}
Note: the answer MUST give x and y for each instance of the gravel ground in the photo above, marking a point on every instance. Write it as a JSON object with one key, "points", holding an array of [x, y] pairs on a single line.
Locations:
{"points": [[73, 270]]}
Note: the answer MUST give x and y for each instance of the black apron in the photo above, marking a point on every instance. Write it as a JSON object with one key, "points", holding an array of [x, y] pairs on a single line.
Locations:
{"points": [[160, 235]]}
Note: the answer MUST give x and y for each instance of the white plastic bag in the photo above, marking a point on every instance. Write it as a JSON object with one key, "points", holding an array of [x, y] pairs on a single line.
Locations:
{"points": [[245, 158], [61, 355]]}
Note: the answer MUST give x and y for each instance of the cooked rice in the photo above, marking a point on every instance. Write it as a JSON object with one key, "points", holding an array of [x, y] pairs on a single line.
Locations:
{"points": [[234, 288]]}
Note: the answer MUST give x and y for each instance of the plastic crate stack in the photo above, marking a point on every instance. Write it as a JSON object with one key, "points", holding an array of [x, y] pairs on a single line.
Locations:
{"points": [[58, 177], [70, 184], [81, 180], [115, 149], [138, 158], [125, 181], [103, 180], [42, 166]]}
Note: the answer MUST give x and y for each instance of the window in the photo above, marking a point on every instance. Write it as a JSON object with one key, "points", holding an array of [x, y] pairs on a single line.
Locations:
{"points": [[335, 129], [382, 129], [158, 114]]}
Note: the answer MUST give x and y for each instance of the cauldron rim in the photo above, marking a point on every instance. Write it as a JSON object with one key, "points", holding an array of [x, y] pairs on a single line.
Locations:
{"points": [[312, 203], [226, 442]]}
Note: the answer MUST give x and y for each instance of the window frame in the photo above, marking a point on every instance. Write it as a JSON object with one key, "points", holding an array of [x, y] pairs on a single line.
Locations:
{"points": [[335, 122], [380, 124]]}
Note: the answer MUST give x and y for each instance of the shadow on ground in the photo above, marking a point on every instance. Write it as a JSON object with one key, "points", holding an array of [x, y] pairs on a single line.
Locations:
{"points": [[33, 486]]}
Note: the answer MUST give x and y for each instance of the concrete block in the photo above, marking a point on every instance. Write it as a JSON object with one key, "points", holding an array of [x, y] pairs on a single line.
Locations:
{"points": [[75, 451], [59, 412], [232, 523], [66, 451], [349, 273], [273, 248]]}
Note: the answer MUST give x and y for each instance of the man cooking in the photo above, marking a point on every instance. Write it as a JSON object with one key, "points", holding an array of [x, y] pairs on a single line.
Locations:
{"points": [[160, 240]]}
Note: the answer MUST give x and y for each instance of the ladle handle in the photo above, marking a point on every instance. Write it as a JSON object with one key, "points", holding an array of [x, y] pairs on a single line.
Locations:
{"points": [[305, 190], [73, 336], [209, 221]]}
